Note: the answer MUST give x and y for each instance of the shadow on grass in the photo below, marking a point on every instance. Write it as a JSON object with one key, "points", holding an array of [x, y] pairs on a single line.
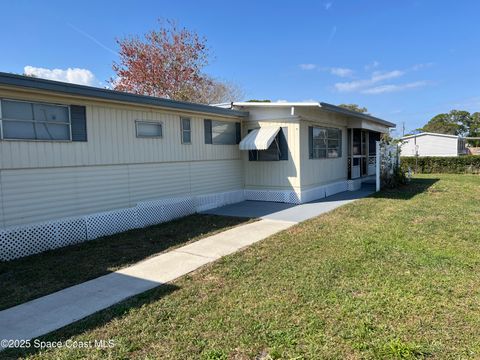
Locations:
{"points": [[408, 191], [38, 275], [94, 321]]}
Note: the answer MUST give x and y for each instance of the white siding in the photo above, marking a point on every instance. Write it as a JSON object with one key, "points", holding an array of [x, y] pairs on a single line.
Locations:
{"points": [[430, 145], [112, 139], [283, 174], [42, 180], [317, 172], [33, 195], [299, 172]]}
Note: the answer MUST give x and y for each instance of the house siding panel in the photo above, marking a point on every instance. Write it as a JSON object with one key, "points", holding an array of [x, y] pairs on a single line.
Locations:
{"points": [[42, 180], [112, 139], [281, 175], [34, 195], [430, 145], [316, 172]]}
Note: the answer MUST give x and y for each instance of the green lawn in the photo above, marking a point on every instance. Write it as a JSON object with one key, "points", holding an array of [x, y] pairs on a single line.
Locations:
{"points": [[391, 276], [34, 276]]}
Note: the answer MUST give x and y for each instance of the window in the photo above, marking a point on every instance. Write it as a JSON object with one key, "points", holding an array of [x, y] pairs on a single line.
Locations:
{"points": [[325, 143], [278, 149], [23, 120], [221, 132], [149, 129], [186, 130]]}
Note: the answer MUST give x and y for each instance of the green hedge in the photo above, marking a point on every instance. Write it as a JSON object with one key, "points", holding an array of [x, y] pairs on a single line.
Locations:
{"points": [[468, 164]]}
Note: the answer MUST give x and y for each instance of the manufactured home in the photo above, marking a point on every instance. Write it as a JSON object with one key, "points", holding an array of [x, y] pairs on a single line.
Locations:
{"points": [[78, 163], [433, 144]]}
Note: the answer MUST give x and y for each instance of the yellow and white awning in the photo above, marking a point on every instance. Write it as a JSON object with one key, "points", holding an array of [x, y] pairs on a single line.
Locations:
{"points": [[259, 139]]}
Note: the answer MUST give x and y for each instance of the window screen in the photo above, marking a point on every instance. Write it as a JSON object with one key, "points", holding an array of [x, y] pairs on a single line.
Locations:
{"points": [[149, 129]]}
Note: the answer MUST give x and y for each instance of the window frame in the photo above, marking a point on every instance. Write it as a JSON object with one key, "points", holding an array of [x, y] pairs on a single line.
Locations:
{"points": [[253, 155], [182, 130], [2, 119], [209, 140], [312, 147], [151, 122]]}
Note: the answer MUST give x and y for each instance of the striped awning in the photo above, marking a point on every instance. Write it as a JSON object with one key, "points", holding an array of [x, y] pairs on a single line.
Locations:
{"points": [[259, 139]]}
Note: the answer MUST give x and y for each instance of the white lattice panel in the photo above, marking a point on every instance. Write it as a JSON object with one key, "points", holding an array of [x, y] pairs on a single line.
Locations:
{"points": [[354, 184], [285, 196], [150, 213], [20, 241], [158, 211], [70, 231], [111, 222], [177, 208]]}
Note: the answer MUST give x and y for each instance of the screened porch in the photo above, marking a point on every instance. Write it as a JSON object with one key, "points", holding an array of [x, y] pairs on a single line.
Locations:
{"points": [[362, 152]]}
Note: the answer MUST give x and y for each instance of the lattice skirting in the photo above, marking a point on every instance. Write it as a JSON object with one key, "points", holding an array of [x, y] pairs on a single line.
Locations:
{"points": [[20, 241], [294, 197], [283, 196], [354, 184]]}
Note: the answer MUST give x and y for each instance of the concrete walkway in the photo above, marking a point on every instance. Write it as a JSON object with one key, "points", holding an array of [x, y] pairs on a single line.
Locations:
{"points": [[48, 313]]}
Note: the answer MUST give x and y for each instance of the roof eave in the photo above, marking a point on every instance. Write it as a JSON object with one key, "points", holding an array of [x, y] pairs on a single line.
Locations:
{"points": [[111, 95], [343, 111]]}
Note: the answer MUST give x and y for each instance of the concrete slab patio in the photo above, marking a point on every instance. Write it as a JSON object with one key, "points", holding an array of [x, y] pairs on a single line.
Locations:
{"points": [[48, 313], [289, 212]]}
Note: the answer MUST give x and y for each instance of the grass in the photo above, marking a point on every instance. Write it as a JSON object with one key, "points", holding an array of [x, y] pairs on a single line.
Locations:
{"points": [[34, 276], [394, 276]]}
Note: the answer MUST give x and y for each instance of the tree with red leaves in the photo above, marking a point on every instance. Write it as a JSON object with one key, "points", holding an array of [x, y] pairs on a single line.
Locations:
{"points": [[168, 63]]}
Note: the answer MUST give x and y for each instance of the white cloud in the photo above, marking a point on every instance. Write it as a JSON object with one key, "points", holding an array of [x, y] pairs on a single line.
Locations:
{"points": [[376, 77], [327, 5], [70, 75], [342, 72], [307, 66], [382, 89], [281, 101], [380, 75]]}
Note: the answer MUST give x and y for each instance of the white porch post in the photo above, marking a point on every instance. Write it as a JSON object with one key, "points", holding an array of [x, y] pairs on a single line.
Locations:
{"points": [[377, 165]]}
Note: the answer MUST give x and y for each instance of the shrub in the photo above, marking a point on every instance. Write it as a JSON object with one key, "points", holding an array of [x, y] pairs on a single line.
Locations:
{"points": [[391, 174], [395, 179], [469, 164]]}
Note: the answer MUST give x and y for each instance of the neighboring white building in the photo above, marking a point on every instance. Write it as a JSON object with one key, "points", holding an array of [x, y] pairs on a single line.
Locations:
{"points": [[77, 162], [432, 144]]}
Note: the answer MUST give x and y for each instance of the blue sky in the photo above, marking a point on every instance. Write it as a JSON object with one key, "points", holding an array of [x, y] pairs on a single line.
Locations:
{"points": [[405, 61]]}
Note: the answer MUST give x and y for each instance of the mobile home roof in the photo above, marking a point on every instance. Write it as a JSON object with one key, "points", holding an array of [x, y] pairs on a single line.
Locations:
{"points": [[323, 105], [28, 82], [430, 134]]}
